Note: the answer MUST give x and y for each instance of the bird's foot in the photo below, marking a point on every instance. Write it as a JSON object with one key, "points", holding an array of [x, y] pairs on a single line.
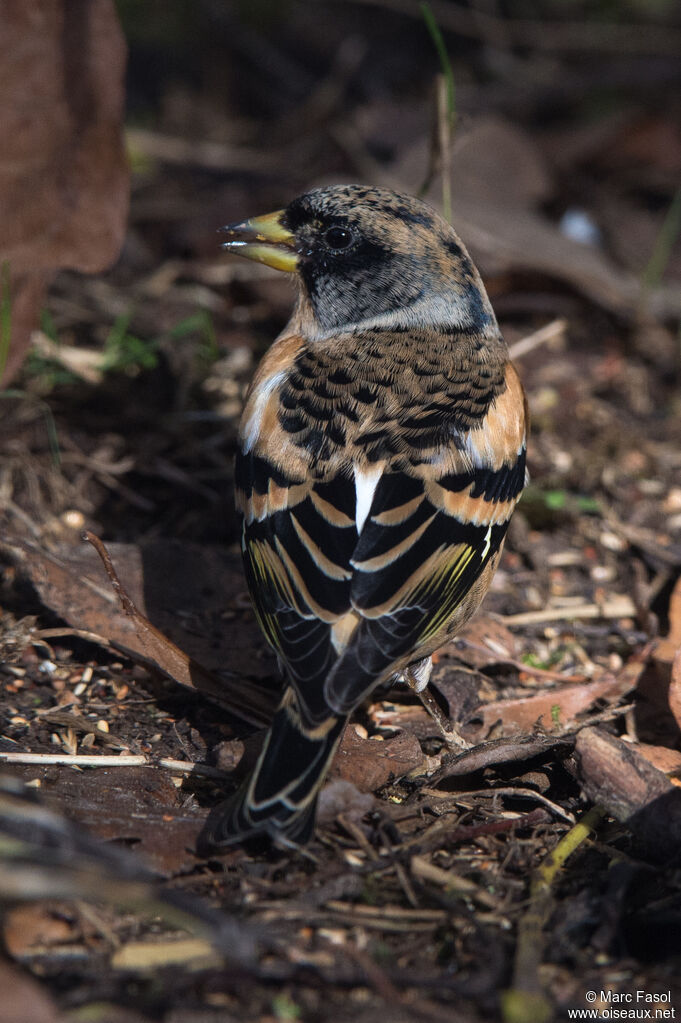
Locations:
{"points": [[417, 677]]}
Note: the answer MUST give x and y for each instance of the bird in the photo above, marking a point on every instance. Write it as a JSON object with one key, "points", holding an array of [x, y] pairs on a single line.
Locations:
{"points": [[381, 452]]}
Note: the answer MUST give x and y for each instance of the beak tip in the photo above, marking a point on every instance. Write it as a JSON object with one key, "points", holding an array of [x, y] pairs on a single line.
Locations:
{"points": [[263, 239]]}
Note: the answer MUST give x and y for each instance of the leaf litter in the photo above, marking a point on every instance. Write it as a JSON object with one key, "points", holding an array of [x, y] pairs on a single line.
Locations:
{"points": [[415, 894]]}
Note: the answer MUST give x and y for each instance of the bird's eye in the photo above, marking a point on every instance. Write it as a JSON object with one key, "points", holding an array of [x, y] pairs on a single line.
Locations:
{"points": [[338, 238]]}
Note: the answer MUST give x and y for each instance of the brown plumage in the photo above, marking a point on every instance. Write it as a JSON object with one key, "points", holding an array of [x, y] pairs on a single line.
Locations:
{"points": [[382, 451]]}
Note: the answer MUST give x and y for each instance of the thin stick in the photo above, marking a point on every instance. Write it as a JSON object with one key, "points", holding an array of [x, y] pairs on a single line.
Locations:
{"points": [[617, 607], [125, 760], [550, 332], [509, 791]]}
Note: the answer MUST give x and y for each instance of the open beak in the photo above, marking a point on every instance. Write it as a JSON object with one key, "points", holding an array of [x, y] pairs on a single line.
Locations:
{"points": [[265, 240]]}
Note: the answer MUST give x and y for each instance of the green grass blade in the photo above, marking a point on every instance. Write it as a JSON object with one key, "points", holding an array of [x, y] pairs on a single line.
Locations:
{"points": [[666, 239], [445, 63]]}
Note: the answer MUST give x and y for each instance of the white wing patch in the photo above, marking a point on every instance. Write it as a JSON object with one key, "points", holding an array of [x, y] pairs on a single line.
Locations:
{"points": [[365, 488]]}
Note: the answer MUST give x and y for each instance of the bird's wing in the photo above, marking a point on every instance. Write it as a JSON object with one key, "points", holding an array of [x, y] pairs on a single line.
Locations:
{"points": [[298, 540], [417, 566], [351, 572]]}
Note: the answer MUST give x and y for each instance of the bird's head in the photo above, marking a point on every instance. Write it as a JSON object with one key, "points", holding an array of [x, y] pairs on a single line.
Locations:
{"points": [[372, 258]]}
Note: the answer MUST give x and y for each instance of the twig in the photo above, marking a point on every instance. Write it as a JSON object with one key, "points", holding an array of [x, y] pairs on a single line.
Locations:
{"points": [[620, 606], [550, 332], [75, 760], [510, 791], [196, 153], [526, 999], [102, 760], [427, 871]]}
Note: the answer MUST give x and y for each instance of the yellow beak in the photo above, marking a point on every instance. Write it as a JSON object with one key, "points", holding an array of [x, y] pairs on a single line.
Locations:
{"points": [[265, 240]]}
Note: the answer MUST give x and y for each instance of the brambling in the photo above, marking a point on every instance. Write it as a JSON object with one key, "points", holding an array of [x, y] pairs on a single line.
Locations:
{"points": [[381, 454]]}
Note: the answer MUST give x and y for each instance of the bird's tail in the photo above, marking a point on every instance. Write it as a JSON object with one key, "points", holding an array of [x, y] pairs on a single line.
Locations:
{"points": [[279, 797]]}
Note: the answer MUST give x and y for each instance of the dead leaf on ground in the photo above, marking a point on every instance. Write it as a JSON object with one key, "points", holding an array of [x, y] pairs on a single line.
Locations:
{"points": [[64, 177], [31, 929], [675, 688], [194, 617], [485, 641], [340, 796], [24, 1001], [553, 709], [372, 763], [135, 806], [499, 751], [498, 214], [666, 760]]}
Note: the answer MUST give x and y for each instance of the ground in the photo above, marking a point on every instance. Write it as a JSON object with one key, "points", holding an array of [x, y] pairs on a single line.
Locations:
{"points": [[429, 892]]}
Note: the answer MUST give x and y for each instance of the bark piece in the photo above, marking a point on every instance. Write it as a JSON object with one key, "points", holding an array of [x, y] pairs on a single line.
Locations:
{"points": [[615, 775]]}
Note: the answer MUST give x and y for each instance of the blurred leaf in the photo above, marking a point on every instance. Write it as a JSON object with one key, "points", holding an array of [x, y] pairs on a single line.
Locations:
{"points": [[63, 173]]}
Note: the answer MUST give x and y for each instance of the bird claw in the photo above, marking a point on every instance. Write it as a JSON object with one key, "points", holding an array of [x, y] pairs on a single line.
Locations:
{"points": [[417, 677]]}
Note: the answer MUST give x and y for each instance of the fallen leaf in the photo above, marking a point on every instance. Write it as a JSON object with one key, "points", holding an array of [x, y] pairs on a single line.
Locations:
{"points": [[498, 751], [552, 709], [64, 177], [139, 806], [372, 763], [675, 688], [664, 759], [24, 1001], [32, 928], [182, 593], [485, 641], [500, 180]]}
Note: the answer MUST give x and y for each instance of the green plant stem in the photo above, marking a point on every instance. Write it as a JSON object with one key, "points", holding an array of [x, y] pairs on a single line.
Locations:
{"points": [[666, 239]]}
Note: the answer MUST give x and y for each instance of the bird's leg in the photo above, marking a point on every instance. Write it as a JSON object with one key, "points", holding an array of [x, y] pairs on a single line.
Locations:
{"points": [[417, 676]]}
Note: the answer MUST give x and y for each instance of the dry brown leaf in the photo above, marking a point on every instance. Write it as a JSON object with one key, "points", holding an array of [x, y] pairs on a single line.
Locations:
{"points": [[555, 708], [340, 796], [675, 688], [139, 805], [24, 1001], [500, 179], [64, 178], [371, 763], [35, 927], [181, 592], [666, 648], [666, 760], [485, 641]]}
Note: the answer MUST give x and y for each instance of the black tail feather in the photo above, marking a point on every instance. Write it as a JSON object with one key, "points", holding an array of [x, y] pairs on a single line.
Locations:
{"points": [[279, 799]]}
